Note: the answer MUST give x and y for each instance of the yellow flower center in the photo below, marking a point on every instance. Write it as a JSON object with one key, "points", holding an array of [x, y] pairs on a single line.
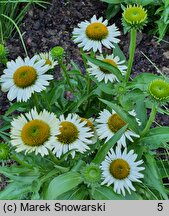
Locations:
{"points": [[115, 123], [88, 123], [48, 62], [25, 76], [111, 62], [96, 31], [119, 169], [35, 133], [68, 132], [135, 14]]}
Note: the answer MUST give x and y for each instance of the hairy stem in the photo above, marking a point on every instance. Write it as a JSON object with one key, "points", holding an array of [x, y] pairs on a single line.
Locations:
{"points": [[133, 36], [150, 121]]}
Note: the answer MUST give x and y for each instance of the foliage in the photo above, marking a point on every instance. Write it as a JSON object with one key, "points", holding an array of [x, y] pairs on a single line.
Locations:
{"points": [[45, 175]]}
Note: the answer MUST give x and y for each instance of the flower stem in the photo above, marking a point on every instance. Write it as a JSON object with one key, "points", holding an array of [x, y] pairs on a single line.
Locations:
{"points": [[48, 175], [150, 121], [78, 166], [53, 157], [133, 36], [88, 82], [36, 101], [14, 157], [65, 74]]}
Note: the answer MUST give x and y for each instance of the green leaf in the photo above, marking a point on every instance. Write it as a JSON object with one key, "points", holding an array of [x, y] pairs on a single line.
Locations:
{"points": [[143, 80], [113, 1], [112, 10], [62, 184], [163, 167], [74, 106], [118, 52], [106, 66], [141, 112], [133, 196], [156, 137], [126, 117], [56, 92], [108, 88], [100, 156], [19, 106], [143, 2], [152, 176], [14, 191], [76, 194], [106, 193], [128, 99], [20, 174]]}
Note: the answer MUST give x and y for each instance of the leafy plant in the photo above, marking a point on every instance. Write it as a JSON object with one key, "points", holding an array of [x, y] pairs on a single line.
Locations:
{"points": [[16, 11], [85, 136]]}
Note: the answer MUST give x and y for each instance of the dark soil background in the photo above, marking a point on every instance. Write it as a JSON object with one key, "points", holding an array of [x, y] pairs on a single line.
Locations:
{"points": [[45, 28]]}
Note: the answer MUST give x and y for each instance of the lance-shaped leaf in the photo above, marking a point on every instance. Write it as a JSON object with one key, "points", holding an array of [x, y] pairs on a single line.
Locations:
{"points": [[62, 184], [100, 156]]}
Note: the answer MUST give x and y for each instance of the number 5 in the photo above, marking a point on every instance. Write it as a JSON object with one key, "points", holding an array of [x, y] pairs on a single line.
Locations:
{"points": [[160, 207]]}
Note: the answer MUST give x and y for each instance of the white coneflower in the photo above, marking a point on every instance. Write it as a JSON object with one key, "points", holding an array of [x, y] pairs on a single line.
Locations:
{"points": [[74, 135], [109, 124], [34, 132], [121, 169], [94, 34], [103, 74], [24, 77], [48, 59]]}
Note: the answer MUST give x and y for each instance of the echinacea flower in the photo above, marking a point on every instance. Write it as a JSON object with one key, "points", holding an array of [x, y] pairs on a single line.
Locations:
{"points": [[34, 132], [48, 59], [74, 135], [109, 123], [94, 34], [159, 89], [134, 16], [120, 169], [21, 78], [103, 74]]}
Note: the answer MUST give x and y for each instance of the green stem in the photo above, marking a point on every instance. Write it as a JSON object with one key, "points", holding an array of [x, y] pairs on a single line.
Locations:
{"points": [[150, 121], [78, 166], [35, 101], [49, 175], [45, 97], [14, 157], [88, 82], [65, 74], [53, 157], [133, 36]]}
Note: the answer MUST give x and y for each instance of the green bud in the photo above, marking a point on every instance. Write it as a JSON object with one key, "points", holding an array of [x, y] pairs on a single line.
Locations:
{"points": [[57, 52], [134, 16], [159, 89], [91, 175]]}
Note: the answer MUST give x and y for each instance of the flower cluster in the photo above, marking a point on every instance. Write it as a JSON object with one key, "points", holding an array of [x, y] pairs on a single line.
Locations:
{"points": [[97, 141]]}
